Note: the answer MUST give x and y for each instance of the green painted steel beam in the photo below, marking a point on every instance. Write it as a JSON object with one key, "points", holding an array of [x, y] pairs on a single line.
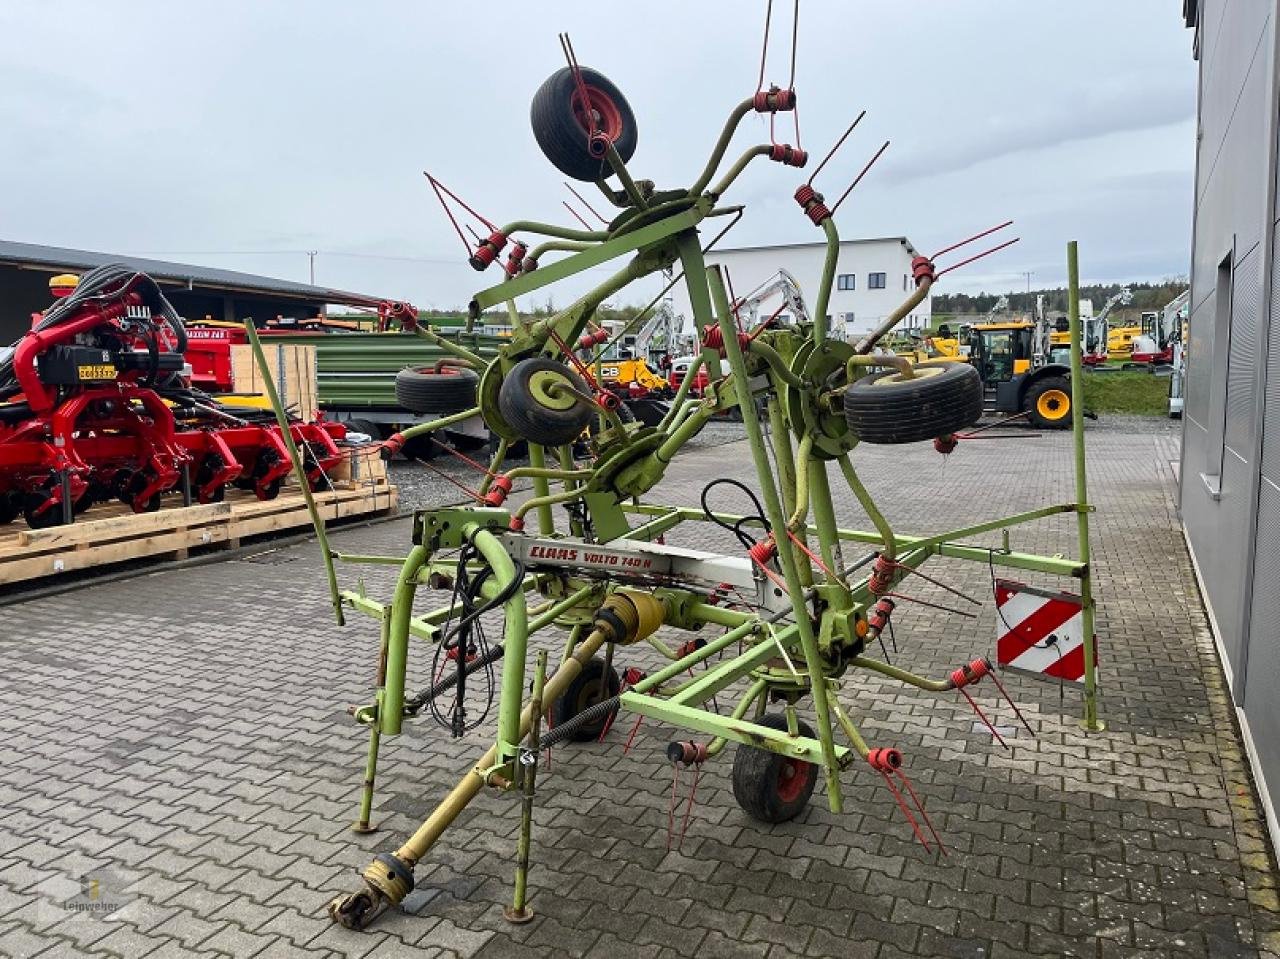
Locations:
{"points": [[727, 727], [594, 256]]}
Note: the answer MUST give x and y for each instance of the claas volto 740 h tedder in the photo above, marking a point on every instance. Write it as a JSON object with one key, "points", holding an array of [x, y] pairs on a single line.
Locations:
{"points": [[793, 613]]}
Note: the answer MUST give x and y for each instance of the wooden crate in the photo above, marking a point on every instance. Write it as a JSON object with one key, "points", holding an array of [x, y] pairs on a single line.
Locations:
{"points": [[114, 534], [293, 367]]}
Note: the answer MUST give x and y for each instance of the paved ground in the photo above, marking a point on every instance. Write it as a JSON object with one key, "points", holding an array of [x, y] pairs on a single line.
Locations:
{"points": [[176, 749]]}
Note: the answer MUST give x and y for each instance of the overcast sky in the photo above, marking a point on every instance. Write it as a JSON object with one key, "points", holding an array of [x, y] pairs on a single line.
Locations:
{"points": [[241, 134]]}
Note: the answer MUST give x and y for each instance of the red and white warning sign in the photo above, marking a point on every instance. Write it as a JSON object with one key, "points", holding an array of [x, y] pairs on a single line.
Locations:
{"points": [[1040, 631]]}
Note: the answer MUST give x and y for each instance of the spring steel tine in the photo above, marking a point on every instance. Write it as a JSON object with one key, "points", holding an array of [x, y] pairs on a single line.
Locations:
{"points": [[585, 203], [764, 49], [929, 579], [858, 178], [976, 236], [979, 256], [585, 224], [832, 152], [1009, 699], [983, 716]]}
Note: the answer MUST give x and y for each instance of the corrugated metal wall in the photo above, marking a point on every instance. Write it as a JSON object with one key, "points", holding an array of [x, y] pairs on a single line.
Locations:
{"points": [[1230, 480]]}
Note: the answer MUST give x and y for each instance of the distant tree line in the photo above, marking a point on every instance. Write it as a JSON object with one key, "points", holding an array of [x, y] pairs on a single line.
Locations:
{"points": [[1146, 296]]}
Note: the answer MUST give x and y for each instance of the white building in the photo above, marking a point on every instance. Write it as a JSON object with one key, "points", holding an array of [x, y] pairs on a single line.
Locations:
{"points": [[872, 278]]}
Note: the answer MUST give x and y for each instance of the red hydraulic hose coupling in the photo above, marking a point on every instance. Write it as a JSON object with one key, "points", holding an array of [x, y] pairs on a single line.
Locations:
{"points": [[881, 579], [922, 269], [946, 444], [516, 525], [774, 100], [811, 202], [788, 155], [488, 250], [970, 673], [497, 494]]}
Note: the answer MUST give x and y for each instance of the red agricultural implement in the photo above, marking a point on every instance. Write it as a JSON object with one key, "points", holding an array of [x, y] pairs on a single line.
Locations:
{"points": [[96, 403]]}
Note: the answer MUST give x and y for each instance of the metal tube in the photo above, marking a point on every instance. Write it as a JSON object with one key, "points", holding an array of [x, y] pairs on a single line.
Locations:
{"points": [[902, 675], [335, 597], [752, 694], [478, 362], [548, 616], [734, 171], [542, 503], [550, 229], [624, 176], [362, 825], [1090, 721], [391, 704], [824, 520], [865, 344], [873, 512], [776, 363], [541, 489], [417, 845], [528, 774], [682, 391], [495, 464], [421, 429], [722, 144], [515, 638], [777, 522], [828, 278], [568, 246]]}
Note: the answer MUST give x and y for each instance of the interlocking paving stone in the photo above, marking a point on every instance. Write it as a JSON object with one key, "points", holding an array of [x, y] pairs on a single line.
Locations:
{"points": [[193, 741]]}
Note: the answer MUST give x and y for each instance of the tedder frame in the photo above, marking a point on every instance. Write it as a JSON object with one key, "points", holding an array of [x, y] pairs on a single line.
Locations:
{"points": [[795, 612]]}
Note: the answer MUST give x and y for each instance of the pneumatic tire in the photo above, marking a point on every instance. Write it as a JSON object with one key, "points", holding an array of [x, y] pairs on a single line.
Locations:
{"points": [[450, 389], [889, 409], [589, 687], [560, 125], [771, 787], [1048, 403], [538, 413]]}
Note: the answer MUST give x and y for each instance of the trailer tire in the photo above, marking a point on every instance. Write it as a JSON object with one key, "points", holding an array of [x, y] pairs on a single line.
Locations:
{"points": [[1048, 403], [887, 408], [587, 689], [450, 389], [561, 133], [534, 411], [770, 787]]}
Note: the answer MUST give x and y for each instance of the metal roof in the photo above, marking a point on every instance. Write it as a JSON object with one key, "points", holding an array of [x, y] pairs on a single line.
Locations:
{"points": [[56, 258], [817, 244]]}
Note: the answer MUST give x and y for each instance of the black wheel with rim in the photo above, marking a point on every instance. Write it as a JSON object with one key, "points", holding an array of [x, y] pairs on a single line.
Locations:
{"points": [[450, 389], [138, 482], [1048, 403], [267, 460], [545, 401], [40, 511], [771, 787], [562, 122], [209, 467], [588, 688], [888, 408]]}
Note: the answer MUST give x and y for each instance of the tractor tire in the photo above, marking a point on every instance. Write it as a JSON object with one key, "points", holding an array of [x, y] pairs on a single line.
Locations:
{"points": [[562, 130], [450, 389], [367, 427], [1048, 403], [535, 413], [886, 408], [587, 689], [770, 787]]}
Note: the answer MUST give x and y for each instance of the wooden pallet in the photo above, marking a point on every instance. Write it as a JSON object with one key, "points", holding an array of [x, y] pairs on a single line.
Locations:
{"points": [[118, 535]]}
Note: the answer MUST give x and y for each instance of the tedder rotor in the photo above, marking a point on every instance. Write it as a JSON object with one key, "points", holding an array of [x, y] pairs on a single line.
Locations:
{"points": [[802, 614]]}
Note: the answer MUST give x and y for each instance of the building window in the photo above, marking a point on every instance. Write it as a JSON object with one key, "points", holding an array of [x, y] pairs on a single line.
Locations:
{"points": [[875, 281], [844, 281]]}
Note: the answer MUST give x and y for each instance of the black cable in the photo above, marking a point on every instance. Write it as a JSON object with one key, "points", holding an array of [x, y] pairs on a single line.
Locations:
{"points": [[745, 538]]}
